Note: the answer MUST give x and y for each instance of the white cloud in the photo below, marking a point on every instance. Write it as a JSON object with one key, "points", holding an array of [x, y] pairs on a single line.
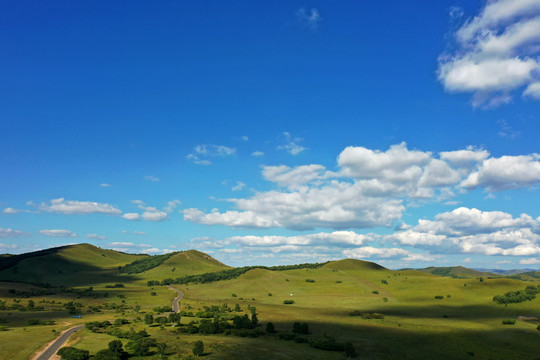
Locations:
{"points": [[151, 178], [506, 172], [78, 207], [171, 205], [291, 144], [96, 237], [531, 261], [11, 211], [105, 185], [202, 153], [309, 18], [533, 90], [131, 216], [244, 138], [336, 238], [10, 233], [153, 214], [133, 232], [497, 52], [369, 251], [257, 153], [474, 231], [239, 186], [371, 188], [58, 233], [4, 247]]}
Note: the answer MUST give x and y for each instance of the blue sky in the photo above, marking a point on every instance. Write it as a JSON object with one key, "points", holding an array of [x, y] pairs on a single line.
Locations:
{"points": [[274, 132]]}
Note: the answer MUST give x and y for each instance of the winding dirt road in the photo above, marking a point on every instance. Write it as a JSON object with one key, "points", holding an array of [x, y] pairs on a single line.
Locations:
{"points": [[57, 344], [175, 306]]}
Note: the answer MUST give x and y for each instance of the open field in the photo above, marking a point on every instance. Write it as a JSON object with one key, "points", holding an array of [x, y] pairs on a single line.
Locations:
{"points": [[415, 315]]}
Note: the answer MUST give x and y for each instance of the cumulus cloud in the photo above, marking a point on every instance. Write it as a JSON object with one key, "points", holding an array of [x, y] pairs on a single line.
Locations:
{"points": [[468, 230], [96, 237], [10, 210], [133, 232], [239, 186], [151, 213], [257, 153], [58, 233], [497, 52], [63, 206], [531, 261], [291, 144], [202, 153], [335, 238], [10, 233], [370, 188], [309, 18]]}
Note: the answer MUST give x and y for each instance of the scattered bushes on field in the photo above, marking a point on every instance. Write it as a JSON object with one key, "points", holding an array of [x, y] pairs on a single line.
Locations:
{"points": [[513, 297]]}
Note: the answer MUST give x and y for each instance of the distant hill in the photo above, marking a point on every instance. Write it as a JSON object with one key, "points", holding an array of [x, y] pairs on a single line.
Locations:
{"points": [[508, 272], [456, 272], [70, 265], [353, 264]]}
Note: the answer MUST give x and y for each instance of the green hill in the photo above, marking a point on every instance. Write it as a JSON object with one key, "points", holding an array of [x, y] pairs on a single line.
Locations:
{"points": [[353, 264], [71, 265], [457, 272]]}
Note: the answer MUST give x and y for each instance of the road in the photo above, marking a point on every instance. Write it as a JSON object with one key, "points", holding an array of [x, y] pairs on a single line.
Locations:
{"points": [[175, 306], [55, 346]]}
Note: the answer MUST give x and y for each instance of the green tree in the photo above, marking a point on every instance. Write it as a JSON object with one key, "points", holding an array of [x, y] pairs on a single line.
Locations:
{"points": [[349, 350], [270, 329], [161, 347], [198, 348], [148, 319], [162, 320], [31, 304], [141, 347], [254, 320], [71, 353]]}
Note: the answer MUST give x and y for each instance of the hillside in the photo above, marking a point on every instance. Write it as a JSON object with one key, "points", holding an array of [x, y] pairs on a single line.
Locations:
{"points": [[353, 264], [70, 265], [456, 272]]}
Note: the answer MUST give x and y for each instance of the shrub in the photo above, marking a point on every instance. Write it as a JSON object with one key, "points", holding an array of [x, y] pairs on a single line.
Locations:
{"points": [[198, 348], [509, 322], [439, 297], [338, 281], [71, 353], [349, 350], [384, 282], [300, 328], [326, 343], [270, 329], [234, 295], [310, 280], [375, 292], [288, 302]]}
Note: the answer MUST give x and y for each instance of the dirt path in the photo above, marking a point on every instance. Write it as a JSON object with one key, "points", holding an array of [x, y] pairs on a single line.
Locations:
{"points": [[175, 306]]}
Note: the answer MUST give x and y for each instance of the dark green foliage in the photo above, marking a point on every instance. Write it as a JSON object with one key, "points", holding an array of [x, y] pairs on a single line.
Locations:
{"points": [[162, 320], [287, 337], [237, 308], [198, 348], [300, 328], [141, 347], [96, 326], [288, 302], [326, 343], [39, 322], [509, 322], [119, 322], [152, 283], [350, 352], [242, 322], [384, 282], [162, 309], [71, 353], [234, 295], [131, 335], [73, 308], [115, 286], [513, 297], [366, 315], [270, 329], [106, 355], [161, 347], [174, 318], [439, 297], [148, 319], [375, 292], [142, 265], [233, 273], [310, 280], [254, 320]]}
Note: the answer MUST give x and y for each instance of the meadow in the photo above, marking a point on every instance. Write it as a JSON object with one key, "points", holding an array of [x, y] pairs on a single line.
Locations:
{"points": [[383, 314]]}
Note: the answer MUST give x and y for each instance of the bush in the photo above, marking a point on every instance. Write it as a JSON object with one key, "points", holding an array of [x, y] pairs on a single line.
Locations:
{"points": [[375, 292], [270, 329], [439, 297], [310, 280], [300, 328], [198, 348], [288, 302], [509, 322], [349, 350], [326, 343], [71, 353]]}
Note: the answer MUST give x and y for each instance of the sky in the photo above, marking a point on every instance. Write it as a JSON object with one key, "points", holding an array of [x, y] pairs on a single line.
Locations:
{"points": [[404, 133]]}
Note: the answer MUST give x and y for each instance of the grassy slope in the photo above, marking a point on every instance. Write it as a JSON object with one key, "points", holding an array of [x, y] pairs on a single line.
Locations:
{"points": [[414, 326], [72, 265], [184, 263], [456, 271]]}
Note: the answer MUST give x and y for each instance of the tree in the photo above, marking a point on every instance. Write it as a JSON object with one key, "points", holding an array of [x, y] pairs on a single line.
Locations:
{"points": [[254, 320], [71, 353], [349, 350], [161, 347], [115, 347], [148, 319], [270, 328], [31, 304], [198, 348], [162, 320], [141, 347]]}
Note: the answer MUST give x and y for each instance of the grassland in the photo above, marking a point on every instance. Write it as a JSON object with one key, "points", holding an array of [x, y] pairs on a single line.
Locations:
{"points": [[424, 316]]}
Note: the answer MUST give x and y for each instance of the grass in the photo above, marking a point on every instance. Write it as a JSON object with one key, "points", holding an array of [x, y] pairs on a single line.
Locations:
{"points": [[416, 325]]}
